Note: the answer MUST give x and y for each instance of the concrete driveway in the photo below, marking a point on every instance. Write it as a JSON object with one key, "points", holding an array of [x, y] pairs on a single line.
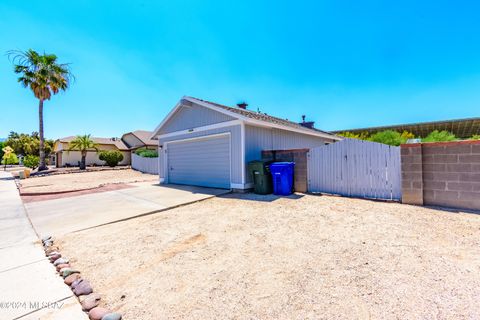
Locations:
{"points": [[30, 287], [74, 213]]}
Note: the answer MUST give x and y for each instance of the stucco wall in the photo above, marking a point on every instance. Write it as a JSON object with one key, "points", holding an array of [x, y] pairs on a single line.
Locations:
{"points": [[73, 157]]}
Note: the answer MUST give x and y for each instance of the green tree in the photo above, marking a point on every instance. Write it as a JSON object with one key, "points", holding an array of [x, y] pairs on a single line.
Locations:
{"points": [[2, 145], [438, 136], [111, 157], [26, 144], [45, 77], [83, 144], [31, 161]]}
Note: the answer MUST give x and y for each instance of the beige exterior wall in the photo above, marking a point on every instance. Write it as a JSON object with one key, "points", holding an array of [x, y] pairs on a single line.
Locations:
{"points": [[73, 157]]}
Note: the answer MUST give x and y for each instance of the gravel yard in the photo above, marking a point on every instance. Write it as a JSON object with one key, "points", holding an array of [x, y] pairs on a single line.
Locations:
{"points": [[300, 257], [82, 180]]}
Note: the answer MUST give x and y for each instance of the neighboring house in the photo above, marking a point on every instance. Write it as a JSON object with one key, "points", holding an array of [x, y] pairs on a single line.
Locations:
{"points": [[139, 139], [63, 157], [461, 128], [207, 144]]}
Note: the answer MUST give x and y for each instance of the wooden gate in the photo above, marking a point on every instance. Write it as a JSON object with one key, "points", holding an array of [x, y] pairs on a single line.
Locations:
{"points": [[355, 168]]}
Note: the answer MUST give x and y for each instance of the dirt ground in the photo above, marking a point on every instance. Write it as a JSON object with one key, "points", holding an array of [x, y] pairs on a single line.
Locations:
{"points": [[301, 257], [83, 180]]}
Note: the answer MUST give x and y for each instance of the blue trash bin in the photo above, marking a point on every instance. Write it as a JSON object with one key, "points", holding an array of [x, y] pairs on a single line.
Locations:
{"points": [[282, 176]]}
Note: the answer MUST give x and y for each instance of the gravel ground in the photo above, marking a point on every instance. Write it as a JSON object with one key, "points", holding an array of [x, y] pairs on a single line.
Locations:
{"points": [[83, 180], [301, 257]]}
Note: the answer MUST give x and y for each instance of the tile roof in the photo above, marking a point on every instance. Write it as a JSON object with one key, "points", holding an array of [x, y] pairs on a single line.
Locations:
{"points": [[144, 136], [263, 117], [108, 141]]}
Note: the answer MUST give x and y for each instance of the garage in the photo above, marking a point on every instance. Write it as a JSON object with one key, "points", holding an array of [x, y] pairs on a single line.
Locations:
{"points": [[203, 161]]}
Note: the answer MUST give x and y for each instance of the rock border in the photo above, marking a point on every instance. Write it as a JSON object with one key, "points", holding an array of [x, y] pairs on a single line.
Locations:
{"points": [[80, 287]]}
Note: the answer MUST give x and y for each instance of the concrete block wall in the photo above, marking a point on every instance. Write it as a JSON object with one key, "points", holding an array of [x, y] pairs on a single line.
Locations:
{"points": [[299, 156], [442, 174]]}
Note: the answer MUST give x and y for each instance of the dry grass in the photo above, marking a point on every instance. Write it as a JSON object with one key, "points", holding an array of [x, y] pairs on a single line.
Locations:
{"points": [[83, 180], [310, 257]]}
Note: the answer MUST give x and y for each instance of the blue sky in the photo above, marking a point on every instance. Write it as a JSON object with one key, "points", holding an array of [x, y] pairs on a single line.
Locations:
{"points": [[344, 64]]}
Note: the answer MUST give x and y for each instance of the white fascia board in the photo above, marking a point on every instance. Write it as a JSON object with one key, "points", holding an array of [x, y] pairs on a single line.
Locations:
{"points": [[169, 115]]}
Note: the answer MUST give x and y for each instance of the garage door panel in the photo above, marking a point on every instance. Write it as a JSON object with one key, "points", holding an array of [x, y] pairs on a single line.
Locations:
{"points": [[203, 162]]}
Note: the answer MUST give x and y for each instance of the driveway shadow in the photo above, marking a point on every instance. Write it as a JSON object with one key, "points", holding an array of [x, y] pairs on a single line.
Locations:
{"points": [[250, 196]]}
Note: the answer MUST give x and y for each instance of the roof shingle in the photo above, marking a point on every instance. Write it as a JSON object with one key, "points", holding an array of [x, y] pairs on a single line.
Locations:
{"points": [[263, 117]]}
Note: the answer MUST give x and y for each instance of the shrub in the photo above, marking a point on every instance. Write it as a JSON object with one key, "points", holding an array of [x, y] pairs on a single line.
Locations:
{"points": [[437, 136], [389, 137], [146, 153], [31, 161], [9, 157], [351, 135], [111, 158], [475, 137]]}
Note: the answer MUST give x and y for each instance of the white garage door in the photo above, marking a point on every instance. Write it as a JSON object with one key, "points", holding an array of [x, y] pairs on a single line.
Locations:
{"points": [[200, 162]]}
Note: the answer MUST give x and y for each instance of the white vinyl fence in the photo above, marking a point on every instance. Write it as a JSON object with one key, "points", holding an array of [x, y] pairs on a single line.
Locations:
{"points": [[146, 165], [355, 168]]}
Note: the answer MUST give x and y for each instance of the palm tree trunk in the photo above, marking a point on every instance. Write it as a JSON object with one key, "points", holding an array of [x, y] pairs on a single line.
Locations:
{"points": [[42, 165], [83, 164]]}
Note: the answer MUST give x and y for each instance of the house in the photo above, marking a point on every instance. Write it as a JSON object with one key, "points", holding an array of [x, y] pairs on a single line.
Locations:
{"points": [[208, 144], [139, 139], [64, 158]]}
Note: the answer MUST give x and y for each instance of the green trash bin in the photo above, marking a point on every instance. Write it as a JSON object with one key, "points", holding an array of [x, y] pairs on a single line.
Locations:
{"points": [[259, 171]]}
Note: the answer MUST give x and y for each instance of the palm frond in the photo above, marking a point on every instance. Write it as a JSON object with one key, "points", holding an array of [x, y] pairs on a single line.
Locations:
{"points": [[41, 72]]}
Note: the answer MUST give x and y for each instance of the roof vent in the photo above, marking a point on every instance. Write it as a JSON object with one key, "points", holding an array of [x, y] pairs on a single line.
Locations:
{"points": [[242, 105], [306, 124]]}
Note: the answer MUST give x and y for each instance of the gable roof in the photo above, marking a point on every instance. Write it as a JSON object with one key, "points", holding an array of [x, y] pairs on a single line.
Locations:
{"points": [[105, 141], [250, 117], [144, 136]]}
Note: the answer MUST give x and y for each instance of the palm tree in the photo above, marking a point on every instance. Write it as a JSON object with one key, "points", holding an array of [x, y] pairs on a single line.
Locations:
{"points": [[45, 77], [83, 144]]}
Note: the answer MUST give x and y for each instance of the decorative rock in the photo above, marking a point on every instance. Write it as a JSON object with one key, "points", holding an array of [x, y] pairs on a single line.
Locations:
{"points": [[50, 250], [65, 272], [97, 313], [83, 288], [64, 269], [54, 257], [112, 316], [53, 253], [48, 243], [71, 279], [63, 265], [90, 302], [60, 261], [76, 282]]}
